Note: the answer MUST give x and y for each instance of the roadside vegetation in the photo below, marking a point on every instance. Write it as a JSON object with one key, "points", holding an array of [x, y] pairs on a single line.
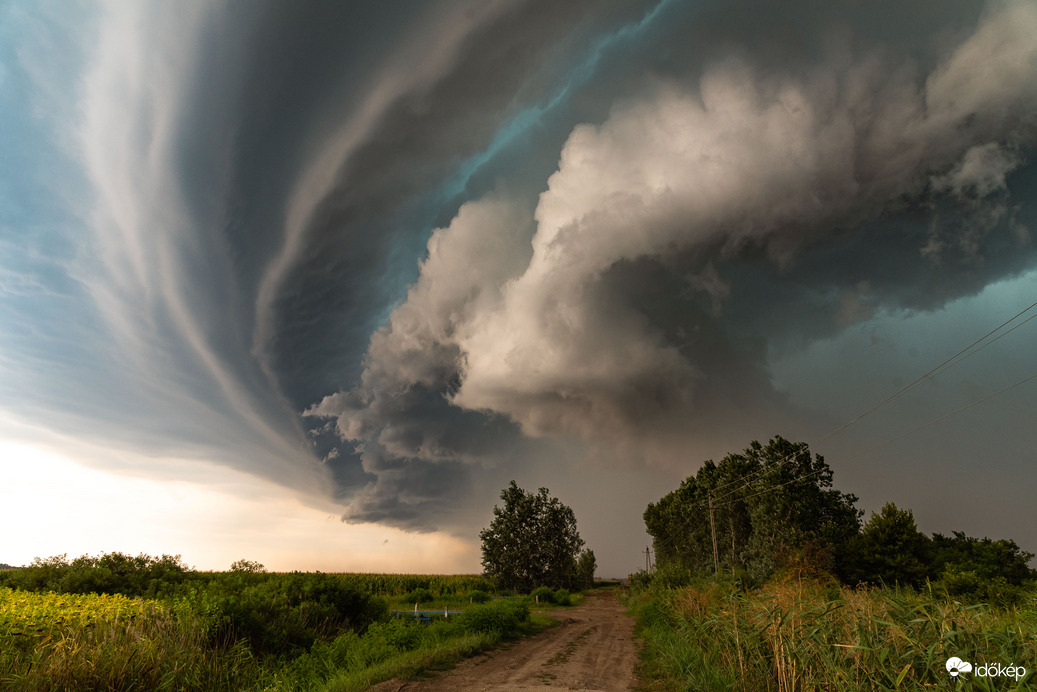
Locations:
{"points": [[807, 633], [119, 622], [125, 623], [766, 579]]}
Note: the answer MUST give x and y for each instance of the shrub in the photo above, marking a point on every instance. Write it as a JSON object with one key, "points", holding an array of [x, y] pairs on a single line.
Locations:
{"points": [[397, 634], [542, 594], [282, 613], [499, 617], [966, 586], [478, 596], [562, 597], [642, 579]]}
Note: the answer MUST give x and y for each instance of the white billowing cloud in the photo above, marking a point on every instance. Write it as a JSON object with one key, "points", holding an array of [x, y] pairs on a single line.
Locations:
{"points": [[485, 245], [468, 262], [989, 81], [746, 158], [749, 157], [982, 171]]}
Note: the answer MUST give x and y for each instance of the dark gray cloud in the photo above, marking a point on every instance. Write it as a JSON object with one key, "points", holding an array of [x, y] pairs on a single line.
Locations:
{"points": [[402, 252]]}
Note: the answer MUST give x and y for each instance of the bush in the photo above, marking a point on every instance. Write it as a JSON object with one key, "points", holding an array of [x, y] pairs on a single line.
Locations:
{"points": [[500, 617], [283, 613], [478, 596], [642, 579], [966, 586], [397, 635], [542, 594], [562, 597]]}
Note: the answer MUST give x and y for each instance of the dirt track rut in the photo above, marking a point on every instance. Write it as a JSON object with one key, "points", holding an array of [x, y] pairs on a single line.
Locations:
{"points": [[593, 649]]}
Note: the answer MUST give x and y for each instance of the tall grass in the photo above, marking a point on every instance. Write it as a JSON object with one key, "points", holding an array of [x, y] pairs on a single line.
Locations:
{"points": [[806, 634], [98, 642]]}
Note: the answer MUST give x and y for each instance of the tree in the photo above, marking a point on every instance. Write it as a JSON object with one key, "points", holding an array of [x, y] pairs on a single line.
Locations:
{"points": [[532, 541], [988, 558], [585, 566], [889, 550], [248, 566], [763, 506]]}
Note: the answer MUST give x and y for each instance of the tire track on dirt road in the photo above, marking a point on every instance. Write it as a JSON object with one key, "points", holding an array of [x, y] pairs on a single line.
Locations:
{"points": [[593, 649]]}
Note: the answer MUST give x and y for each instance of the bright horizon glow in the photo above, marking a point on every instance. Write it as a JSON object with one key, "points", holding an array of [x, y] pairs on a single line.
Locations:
{"points": [[62, 507]]}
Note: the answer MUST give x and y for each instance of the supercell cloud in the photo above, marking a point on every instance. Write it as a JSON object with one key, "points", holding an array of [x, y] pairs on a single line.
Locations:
{"points": [[397, 253], [616, 313]]}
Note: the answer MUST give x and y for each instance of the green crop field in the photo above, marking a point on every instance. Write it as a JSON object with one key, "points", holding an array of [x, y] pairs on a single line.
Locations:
{"points": [[124, 623]]}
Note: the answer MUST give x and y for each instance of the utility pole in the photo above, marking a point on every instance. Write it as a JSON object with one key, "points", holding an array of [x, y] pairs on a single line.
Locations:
{"points": [[648, 565], [713, 530], [731, 524]]}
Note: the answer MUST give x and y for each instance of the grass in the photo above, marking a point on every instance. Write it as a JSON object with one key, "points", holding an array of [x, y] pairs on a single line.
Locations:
{"points": [[63, 642], [809, 635]]}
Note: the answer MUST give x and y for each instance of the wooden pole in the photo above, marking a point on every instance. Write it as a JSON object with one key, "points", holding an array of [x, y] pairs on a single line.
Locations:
{"points": [[731, 524], [713, 530]]}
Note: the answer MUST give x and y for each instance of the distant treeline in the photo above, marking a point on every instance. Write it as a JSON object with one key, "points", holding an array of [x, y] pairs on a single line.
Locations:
{"points": [[773, 507]]}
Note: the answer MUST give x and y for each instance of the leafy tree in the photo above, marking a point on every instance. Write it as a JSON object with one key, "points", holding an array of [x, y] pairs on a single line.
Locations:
{"points": [[889, 550], [532, 541], [987, 558], [585, 566], [768, 504], [249, 566]]}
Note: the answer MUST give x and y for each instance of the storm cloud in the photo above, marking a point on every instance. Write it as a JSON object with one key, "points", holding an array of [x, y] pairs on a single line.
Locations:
{"points": [[619, 312], [394, 254]]}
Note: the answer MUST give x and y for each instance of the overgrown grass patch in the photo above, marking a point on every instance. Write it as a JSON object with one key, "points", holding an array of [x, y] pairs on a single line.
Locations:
{"points": [[809, 635]]}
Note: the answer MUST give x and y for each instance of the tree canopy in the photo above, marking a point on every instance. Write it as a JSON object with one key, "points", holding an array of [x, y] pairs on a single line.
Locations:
{"points": [[756, 511], [889, 550], [533, 541], [767, 503]]}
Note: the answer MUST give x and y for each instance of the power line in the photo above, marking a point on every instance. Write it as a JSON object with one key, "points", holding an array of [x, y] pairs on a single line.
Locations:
{"points": [[973, 348], [945, 365], [714, 505], [905, 434], [945, 416], [970, 350]]}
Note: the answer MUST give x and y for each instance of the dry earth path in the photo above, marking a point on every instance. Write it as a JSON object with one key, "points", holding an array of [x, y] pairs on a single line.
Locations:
{"points": [[593, 649]]}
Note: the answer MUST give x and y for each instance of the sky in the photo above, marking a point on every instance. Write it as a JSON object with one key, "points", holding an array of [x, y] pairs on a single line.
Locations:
{"points": [[308, 283]]}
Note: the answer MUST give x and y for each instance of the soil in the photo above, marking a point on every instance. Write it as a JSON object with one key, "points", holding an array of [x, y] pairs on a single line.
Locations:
{"points": [[593, 649]]}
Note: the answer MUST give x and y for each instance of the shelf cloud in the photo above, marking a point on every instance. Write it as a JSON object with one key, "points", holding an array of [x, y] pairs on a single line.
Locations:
{"points": [[393, 254]]}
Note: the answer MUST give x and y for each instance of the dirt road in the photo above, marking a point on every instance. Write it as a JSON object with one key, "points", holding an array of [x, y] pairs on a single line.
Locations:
{"points": [[593, 649]]}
